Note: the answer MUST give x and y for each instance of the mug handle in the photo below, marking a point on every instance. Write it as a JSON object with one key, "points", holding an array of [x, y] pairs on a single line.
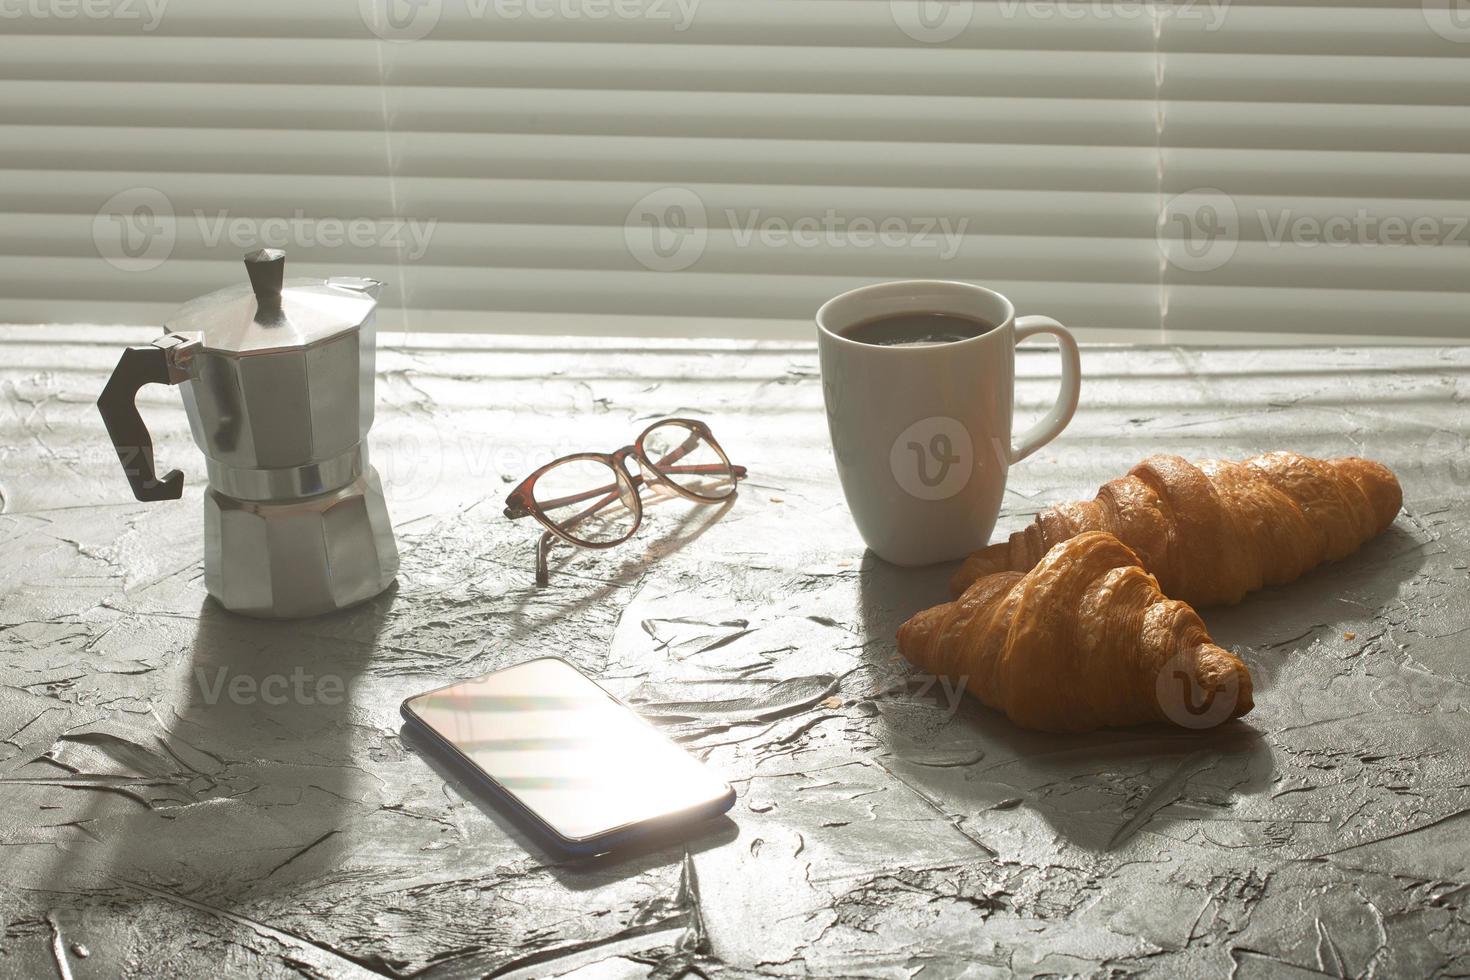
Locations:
{"points": [[1051, 425]]}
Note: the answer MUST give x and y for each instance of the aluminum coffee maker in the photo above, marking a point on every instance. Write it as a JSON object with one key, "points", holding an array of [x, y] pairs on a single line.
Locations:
{"points": [[277, 379]]}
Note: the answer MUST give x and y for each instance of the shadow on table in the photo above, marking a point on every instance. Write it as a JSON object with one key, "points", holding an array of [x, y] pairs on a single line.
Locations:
{"points": [[256, 771], [657, 543], [1355, 589], [1096, 789], [641, 555], [658, 850]]}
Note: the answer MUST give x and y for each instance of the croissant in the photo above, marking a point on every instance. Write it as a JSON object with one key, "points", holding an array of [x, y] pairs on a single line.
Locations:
{"points": [[1083, 640], [1215, 530]]}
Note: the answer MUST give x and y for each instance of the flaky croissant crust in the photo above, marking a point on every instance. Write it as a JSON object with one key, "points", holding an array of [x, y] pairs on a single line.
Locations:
{"points": [[1078, 643], [1215, 530]]}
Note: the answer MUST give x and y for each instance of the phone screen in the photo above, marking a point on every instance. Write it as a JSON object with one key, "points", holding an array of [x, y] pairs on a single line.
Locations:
{"points": [[579, 760]]}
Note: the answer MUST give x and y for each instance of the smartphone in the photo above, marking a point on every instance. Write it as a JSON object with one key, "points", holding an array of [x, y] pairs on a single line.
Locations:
{"points": [[572, 760]]}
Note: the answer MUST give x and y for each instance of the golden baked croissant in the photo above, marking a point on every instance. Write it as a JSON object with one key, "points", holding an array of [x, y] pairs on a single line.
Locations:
{"points": [[1214, 530], [1083, 640]]}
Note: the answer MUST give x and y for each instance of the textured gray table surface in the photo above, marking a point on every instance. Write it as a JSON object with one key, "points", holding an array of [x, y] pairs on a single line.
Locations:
{"points": [[154, 823]]}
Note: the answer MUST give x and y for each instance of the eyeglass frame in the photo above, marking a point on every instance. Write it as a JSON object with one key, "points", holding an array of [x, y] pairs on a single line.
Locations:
{"points": [[521, 502]]}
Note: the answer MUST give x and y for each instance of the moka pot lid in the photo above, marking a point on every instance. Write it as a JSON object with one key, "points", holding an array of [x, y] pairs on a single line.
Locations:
{"points": [[272, 313]]}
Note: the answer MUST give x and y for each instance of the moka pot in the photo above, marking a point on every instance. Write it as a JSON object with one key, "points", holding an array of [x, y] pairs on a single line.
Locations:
{"points": [[277, 380]]}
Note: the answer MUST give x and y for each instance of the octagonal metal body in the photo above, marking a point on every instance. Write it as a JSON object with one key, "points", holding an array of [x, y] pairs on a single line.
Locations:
{"points": [[278, 383], [302, 557]]}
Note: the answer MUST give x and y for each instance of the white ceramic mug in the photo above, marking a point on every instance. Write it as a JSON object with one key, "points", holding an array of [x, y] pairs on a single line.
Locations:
{"points": [[922, 434]]}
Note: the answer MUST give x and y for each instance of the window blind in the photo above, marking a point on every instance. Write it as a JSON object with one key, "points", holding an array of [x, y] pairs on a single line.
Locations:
{"points": [[1315, 161], [720, 167]]}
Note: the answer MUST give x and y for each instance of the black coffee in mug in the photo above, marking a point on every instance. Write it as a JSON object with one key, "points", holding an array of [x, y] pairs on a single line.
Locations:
{"points": [[916, 330]]}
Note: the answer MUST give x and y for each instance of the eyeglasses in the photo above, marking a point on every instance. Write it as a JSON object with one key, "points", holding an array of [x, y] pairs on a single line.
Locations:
{"points": [[680, 455]]}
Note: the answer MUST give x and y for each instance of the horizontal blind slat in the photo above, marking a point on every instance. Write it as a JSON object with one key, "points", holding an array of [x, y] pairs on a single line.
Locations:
{"points": [[1112, 122], [532, 289], [1363, 174], [589, 65], [1377, 316], [498, 156], [833, 23], [1314, 79], [1399, 30], [192, 197]]}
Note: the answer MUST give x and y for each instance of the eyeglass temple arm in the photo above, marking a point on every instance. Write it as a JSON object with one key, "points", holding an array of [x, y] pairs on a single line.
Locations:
{"points": [[543, 547], [697, 468], [606, 491], [687, 447]]}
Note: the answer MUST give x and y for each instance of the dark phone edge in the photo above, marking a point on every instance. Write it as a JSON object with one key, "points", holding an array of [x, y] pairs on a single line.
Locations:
{"points": [[572, 846]]}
